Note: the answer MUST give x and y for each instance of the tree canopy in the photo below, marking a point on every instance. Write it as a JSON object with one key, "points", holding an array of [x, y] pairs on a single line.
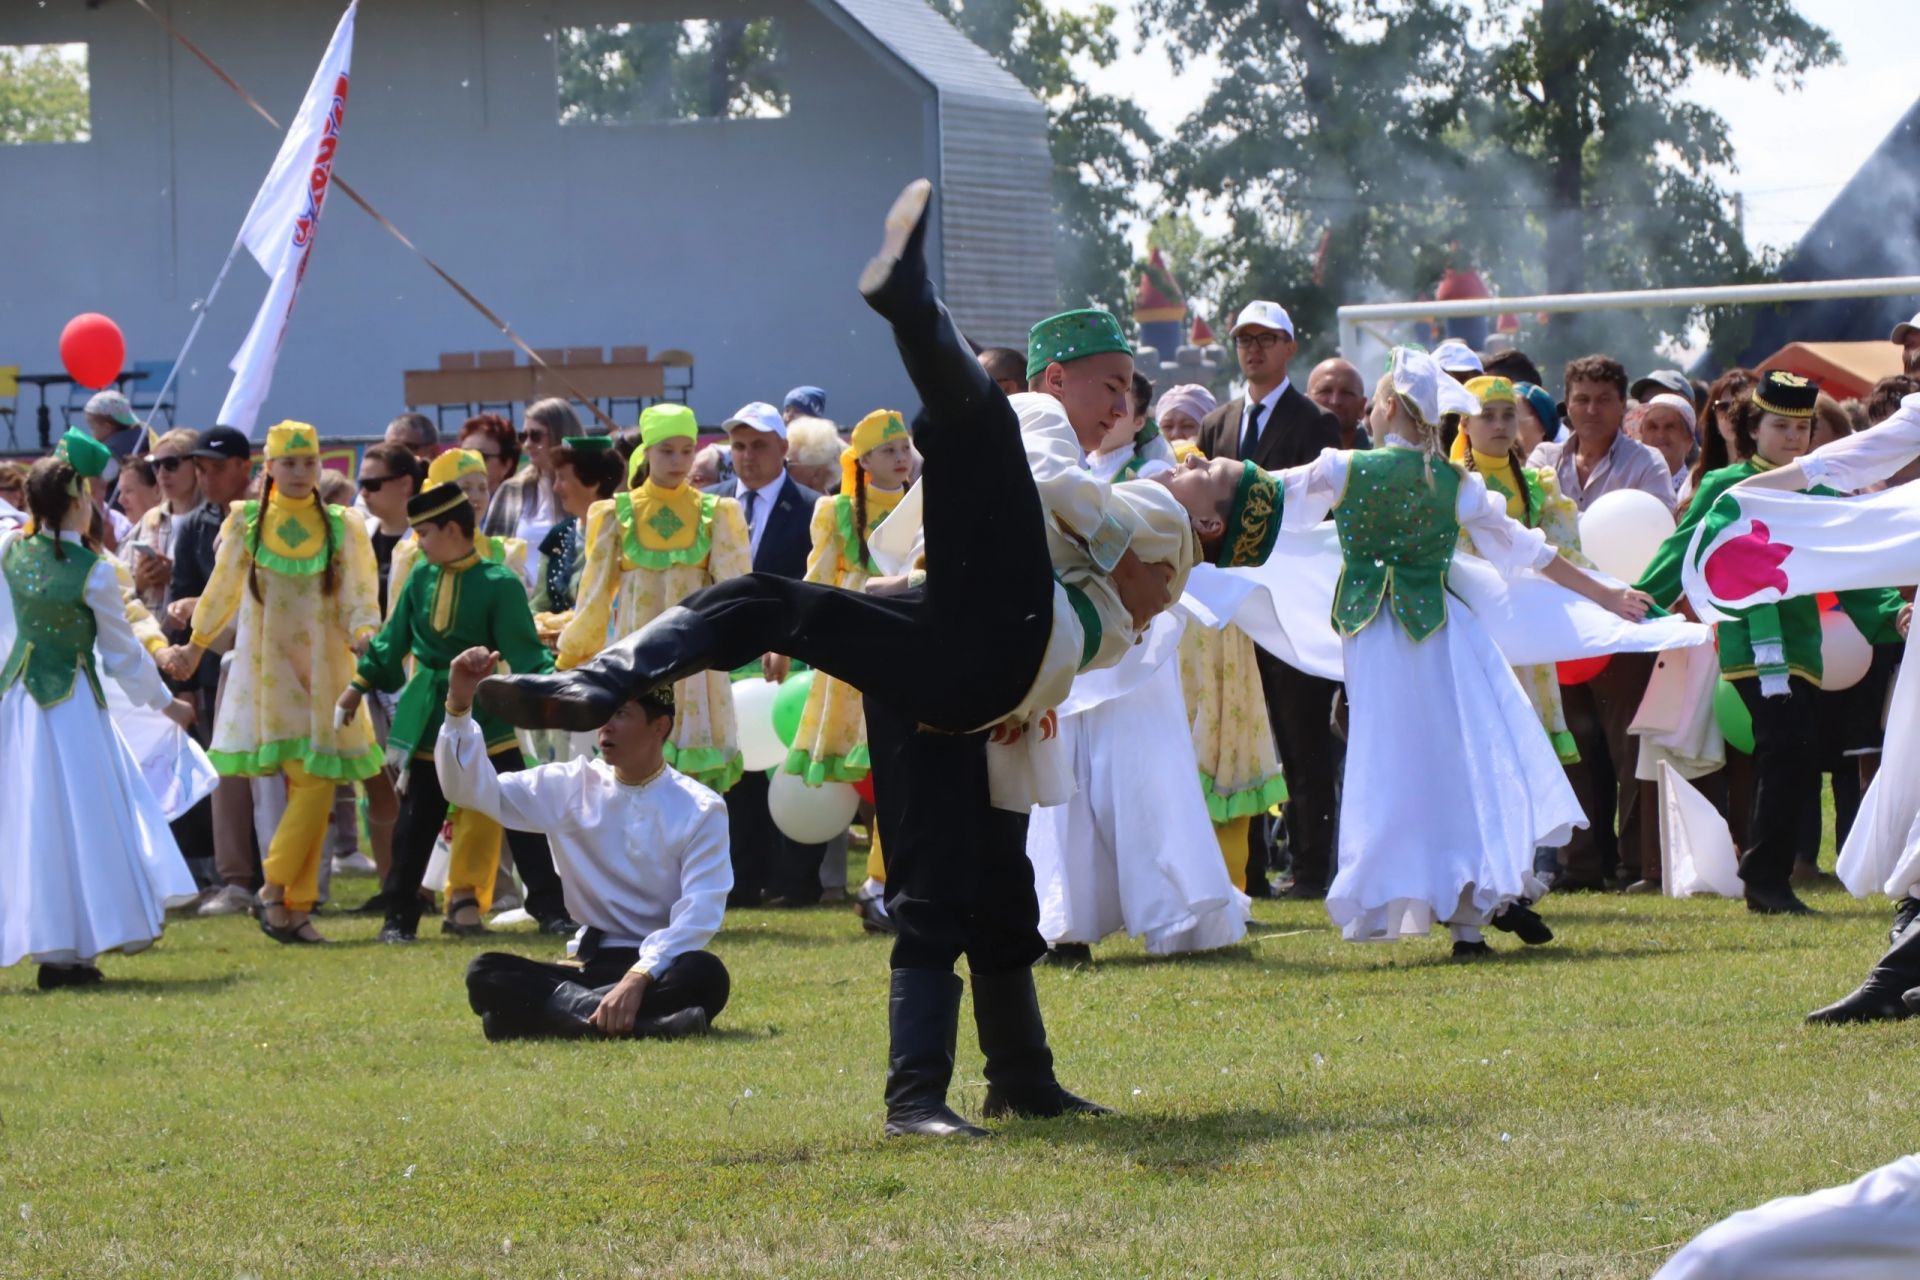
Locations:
{"points": [[43, 94]]}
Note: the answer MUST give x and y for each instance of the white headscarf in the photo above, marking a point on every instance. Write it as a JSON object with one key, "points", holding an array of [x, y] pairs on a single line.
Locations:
{"points": [[1430, 390]]}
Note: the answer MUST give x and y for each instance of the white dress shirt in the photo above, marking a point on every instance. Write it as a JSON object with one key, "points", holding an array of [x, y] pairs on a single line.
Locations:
{"points": [[646, 865], [763, 501], [1267, 404]]}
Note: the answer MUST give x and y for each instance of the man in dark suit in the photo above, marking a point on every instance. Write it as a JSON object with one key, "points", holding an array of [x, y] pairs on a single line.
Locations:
{"points": [[779, 512], [1277, 427]]}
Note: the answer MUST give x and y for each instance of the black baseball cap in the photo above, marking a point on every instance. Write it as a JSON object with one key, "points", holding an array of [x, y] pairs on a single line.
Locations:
{"points": [[222, 442]]}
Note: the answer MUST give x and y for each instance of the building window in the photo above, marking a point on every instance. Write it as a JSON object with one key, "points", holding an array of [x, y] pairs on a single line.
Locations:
{"points": [[43, 94], [647, 72]]}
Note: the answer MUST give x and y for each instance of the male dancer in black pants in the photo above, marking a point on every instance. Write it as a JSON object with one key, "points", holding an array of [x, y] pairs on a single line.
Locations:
{"points": [[996, 640]]}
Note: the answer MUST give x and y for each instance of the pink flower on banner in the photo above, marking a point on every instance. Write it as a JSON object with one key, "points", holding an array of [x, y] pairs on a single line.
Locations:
{"points": [[1741, 567]]}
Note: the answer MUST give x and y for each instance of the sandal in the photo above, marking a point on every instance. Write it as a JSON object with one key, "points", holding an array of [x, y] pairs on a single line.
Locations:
{"points": [[459, 928]]}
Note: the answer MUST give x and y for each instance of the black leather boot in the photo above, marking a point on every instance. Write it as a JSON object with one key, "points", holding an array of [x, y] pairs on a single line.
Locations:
{"points": [[923, 1015], [671, 647], [1878, 999], [1020, 1081]]}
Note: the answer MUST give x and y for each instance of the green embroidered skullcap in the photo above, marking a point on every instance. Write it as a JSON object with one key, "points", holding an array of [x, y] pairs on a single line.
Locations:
{"points": [[1074, 335], [87, 456], [1253, 522]]}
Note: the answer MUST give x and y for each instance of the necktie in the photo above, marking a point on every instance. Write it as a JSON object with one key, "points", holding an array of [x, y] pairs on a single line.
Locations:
{"points": [[750, 497], [1250, 434]]}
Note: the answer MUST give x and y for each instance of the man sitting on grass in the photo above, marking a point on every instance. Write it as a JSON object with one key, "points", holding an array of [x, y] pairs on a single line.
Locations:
{"points": [[642, 852]]}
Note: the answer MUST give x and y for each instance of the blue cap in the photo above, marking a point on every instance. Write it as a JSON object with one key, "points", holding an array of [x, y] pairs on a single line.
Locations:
{"points": [[811, 401]]}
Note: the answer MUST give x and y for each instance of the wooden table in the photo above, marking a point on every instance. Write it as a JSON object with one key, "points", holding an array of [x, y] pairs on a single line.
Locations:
{"points": [[523, 384]]}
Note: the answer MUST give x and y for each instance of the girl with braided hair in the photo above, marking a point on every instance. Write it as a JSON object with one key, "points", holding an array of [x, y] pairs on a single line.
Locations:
{"points": [[87, 864], [1534, 499], [297, 579], [831, 743]]}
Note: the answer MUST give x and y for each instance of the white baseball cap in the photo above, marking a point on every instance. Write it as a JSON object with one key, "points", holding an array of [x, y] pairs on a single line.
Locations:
{"points": [[1456, 356], [1264, 315], [760, 416], [1905, 327]]}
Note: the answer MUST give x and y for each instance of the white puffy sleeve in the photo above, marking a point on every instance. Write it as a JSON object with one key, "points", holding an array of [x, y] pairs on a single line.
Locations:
{"points": [[122, 655], [537, 799], [1312, 490], [1854, 462], [1075, 498], [1500, 540]]}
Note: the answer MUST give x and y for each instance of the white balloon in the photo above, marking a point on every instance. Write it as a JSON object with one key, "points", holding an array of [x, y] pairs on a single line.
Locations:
{"points": [[810, 815], [1621, 531], [760, 747], [1845, 654]]}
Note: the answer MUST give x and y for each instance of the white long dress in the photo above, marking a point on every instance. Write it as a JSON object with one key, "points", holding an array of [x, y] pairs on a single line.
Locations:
{"points": [[86, 861], [1451, 783], [1134, 848], [1861, 1231]]}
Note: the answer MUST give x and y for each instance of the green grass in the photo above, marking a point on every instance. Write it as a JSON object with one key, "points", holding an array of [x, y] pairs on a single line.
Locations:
{"points": [[1297, 1106]]}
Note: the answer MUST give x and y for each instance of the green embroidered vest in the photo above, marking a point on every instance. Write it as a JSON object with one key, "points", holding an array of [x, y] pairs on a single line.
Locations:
{"points": [[1397, 537], [56, 627]]}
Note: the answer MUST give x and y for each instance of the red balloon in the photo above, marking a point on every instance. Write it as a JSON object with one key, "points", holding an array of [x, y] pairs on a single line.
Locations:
{"points": [[864, 788], [93, 350], [1826, 600], [1581, 670]]}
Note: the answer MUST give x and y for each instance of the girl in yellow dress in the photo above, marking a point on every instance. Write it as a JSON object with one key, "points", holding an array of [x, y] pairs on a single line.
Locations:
{"points": [[468, 470], [648, 549], [831, 743], [300, 576], [1489, 445], [1232, 737]]}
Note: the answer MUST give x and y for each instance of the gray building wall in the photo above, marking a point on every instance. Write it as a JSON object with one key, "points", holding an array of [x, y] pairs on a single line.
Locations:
{"points": [[739, 241]]}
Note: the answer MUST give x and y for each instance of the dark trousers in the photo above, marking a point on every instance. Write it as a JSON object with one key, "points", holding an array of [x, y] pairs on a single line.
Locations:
{"points": [[423, 811], [1785, 782], [1599, 713], [958, 878], [514, 988], [1300, 707], [764, 859]]}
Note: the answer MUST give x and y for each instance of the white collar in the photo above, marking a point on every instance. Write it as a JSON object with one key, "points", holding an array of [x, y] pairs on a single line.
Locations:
{"points": [[770, 489], [1271, 399]]}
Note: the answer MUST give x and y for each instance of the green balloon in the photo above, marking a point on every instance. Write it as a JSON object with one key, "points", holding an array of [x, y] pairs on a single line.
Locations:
{"points": [[789, 703], [1736, 722]]}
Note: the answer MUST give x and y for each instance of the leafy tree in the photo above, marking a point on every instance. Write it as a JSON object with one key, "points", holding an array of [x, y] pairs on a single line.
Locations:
{"points": [[43, 95], [636, 71], [1100, 142], [1362, 146]]}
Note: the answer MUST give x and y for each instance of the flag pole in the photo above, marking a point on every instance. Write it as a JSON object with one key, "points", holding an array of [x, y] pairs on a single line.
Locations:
{"points": [[200, 309]]}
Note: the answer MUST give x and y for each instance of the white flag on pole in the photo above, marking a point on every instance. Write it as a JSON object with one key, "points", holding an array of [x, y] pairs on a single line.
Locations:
{"points": [[279, 230]]}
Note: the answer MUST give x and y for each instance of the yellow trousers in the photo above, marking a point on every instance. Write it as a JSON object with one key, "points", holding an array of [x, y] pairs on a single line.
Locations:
{"points": [[1233, 847], [876, 863], [474, 860], [293, 857]]}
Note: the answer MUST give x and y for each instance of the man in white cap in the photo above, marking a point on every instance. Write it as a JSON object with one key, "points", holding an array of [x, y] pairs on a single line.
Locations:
{"points": [[1669, 426], [1906, 335], [1276, 427], [779, 512], [111, 420]]}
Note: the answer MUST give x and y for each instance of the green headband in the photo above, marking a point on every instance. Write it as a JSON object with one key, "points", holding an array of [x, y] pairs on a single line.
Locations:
{"points": [[1253, 522], [1073, 335], [667, 422], [87, 456]]}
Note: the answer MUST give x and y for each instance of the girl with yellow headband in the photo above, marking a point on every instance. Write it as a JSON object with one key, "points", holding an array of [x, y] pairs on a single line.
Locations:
{"points": [[648, 549], [1489, 446], [467, 470], [831, 743], [299, 577]]}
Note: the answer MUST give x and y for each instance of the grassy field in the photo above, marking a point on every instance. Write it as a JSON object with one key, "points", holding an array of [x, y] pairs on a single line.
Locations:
{"points": [[1293, 1107]]}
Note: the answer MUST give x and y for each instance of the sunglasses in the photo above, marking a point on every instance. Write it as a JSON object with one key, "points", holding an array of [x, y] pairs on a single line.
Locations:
{"points": [[170, 464], [372, 484], [533, 437]]}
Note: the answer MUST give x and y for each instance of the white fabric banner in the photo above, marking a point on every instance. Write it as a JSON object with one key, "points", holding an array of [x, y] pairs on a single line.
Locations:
{"points": [[1696, 848], [280, 228]]}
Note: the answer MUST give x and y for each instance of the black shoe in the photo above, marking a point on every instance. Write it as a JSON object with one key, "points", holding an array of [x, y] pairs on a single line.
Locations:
{"points": [[898, 273], [1068, 955], [1911, 1000], [1305, 890], [374, 906], [1904, 914], [923, 1015], [1463, 950], [1776, 902], [394, 934], [872, 910], [1522, 921], [560, 926], [1260, 887], [54, 976], [1881, 997], [671, 1026], [1019, 1070], [674, 645]]}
